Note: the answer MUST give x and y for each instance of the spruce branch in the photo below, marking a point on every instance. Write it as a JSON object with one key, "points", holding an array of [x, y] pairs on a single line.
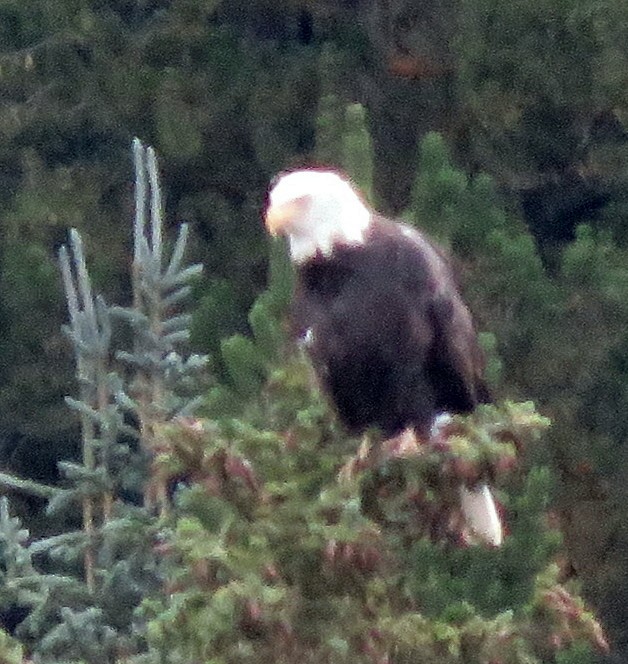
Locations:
{"points": [[140, 199], [117, 539], [181, 277], [156, 211], [83, 282], [177, 323], [23, 585], [13, 538], [48, 543], [158, 327], [90, 333], [174, 338], [178, 252], [176, 297], [29, 486]]}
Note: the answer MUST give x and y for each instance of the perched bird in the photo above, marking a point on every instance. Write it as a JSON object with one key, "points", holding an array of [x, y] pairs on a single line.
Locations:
{"points": [[376, 304]]}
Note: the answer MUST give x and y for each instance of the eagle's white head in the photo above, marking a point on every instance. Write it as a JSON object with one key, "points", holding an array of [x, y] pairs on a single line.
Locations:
{"points": [[317, 211]]}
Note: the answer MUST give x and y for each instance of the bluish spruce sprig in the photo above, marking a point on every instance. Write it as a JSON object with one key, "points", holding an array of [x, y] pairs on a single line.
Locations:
{"points": [[16, 558], [23, 587], [158, 288], [90, 327], [81, 636], [164, 378], [157, 383], [90, 332]]}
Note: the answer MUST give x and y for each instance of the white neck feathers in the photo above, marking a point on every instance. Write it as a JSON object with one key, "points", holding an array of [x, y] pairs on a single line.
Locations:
{"points": [[317, 211], [328, 223]]}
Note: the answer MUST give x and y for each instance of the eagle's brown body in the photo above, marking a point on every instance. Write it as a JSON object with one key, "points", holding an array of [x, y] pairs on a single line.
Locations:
{"points": [[390, 337]]}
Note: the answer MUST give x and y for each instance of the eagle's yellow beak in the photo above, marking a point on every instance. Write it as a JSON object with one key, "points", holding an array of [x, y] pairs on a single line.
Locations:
{"points": [[280, 217]]}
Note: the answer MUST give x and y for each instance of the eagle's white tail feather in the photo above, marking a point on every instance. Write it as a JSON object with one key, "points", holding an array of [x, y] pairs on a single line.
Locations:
{"points": [[480, 513]]}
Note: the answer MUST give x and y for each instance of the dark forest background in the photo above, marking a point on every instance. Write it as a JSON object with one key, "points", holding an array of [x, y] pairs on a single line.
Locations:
{"points": [[528, 186]]}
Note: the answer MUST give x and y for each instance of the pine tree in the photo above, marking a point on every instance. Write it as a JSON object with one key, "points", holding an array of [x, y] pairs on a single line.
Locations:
{"points": [[82, 610], [296, 547]]}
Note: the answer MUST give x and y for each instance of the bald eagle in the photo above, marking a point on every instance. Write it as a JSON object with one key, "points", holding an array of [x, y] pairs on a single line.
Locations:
{"points": [[391, 340]]}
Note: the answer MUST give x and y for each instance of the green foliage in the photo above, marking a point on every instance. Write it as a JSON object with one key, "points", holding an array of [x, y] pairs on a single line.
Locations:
{"points": [[331, 112], [519, 78], [11, 651], [177, 123], [244, 364], [30, 303], [560, 333], [292, 546], [494, 364], [79, 81], [81, 600], [458, 210], [215, 316], [343, 139], [357, 148], [592, 263]]}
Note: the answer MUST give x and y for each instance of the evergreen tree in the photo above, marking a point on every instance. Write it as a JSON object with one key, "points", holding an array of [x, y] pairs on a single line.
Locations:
{"points": [[81, 587], [282, 541], [538, 81], [294, 546]]}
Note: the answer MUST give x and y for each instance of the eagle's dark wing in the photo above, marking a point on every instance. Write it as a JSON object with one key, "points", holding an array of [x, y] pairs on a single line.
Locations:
{"points": [[455, 361]]}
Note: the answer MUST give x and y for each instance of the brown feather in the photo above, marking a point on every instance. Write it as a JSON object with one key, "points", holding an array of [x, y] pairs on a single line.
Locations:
{"points": [[391, 339]]}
